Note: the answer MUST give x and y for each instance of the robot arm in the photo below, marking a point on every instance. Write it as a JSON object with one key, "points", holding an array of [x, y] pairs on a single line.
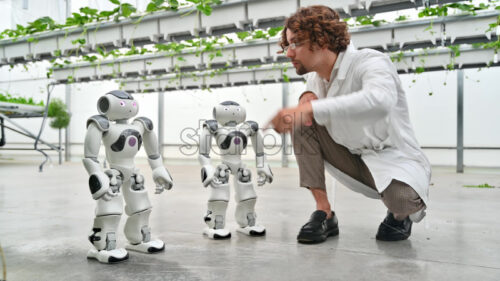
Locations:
{"points": [[207, 171], [263, 169], [161, 176], [98, 181]]}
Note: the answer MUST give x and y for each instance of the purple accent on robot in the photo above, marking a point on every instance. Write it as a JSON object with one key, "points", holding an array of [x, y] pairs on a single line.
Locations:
{"points": [[119, 144], [237, 140], [229, 138], [131, 141]]}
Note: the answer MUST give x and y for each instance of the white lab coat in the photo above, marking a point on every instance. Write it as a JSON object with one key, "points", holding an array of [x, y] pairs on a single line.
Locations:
{"points": [[364, 109]]}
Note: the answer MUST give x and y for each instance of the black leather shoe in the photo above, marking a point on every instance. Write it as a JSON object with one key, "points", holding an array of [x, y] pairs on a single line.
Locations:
{"points": [[393, 230], [318, 228]]}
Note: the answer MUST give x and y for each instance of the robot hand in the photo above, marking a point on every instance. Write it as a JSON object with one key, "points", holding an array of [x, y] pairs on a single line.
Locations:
{"points": [[162, 179], [99, 182], [115, 179], [109, 195], [265, 175], [207, 174], [221, 175]]}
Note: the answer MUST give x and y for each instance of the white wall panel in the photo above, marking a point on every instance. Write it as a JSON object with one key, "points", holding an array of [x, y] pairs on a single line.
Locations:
{"points": [[227, 57], [87, 73], [470, 28], [163, 63], [46, 46], [434, 60], [268, 75], [188, 60], [67, 47], [372, 38], [146, 31], [180, 25], [220, 15], [105, 37], [345, 5], [417, 34], [132, 68], [478, 56], [257, 52], [259, 11], [16, 51]]}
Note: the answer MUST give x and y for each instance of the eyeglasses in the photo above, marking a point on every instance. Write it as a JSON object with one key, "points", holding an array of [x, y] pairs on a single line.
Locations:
{"points": [[292, 46]]}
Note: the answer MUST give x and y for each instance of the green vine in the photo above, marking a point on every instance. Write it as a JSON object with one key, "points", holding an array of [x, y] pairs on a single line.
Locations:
{"points": [[485, 185], [442, 10], [211, 45], [6, 97], [88, 15]]}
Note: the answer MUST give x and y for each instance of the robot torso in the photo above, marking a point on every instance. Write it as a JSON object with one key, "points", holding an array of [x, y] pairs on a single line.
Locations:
{"points": [[122, 142]]}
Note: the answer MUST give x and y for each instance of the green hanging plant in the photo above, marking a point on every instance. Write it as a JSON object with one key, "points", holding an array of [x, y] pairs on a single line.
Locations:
{"points": [[57, 111]]}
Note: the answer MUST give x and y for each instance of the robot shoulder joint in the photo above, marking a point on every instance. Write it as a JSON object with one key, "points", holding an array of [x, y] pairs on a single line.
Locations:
{"points": [[253, 126], [211, 125], [146, 122], [101, 121]]}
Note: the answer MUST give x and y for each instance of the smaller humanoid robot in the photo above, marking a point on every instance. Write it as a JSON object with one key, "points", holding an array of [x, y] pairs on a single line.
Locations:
{"points": [[231, 134], [121, 141]]}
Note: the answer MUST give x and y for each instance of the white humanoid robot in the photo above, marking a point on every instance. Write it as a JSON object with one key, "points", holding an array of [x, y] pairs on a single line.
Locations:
{"points": [[122, 141], [231, 134]]}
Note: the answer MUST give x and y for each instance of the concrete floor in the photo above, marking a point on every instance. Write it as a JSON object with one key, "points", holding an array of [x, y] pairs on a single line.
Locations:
{"points": [[45, 218]]}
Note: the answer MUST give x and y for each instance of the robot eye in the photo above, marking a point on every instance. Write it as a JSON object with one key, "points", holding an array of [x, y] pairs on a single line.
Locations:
{"points": [[238, 109], [122, 103], [226, 109], [134, 104]]}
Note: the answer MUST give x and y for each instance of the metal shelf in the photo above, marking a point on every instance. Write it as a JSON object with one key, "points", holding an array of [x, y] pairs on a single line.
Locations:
{"points": [[440, 58], [390, 37], [201, 79], [16, 110], [437, 59], [428, 32], [231, 16]]}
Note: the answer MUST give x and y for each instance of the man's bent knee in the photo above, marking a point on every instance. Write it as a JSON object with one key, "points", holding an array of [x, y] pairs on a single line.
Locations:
{"points": [[401, 200]]}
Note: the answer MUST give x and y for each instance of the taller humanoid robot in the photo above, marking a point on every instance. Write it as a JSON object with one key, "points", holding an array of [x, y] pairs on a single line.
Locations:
{"points": [[231, 134], [122, 141]]}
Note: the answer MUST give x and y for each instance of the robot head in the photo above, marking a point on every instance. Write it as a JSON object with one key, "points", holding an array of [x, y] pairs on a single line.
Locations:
{"points": [[229, 113], [117, 105]]}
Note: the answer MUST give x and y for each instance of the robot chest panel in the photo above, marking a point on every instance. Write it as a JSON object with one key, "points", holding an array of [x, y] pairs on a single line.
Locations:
{"points": [[231, 140], [123, 140]]}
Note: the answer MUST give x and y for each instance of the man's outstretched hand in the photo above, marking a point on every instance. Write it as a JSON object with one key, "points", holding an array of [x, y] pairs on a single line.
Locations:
{"points": [[287, 119]]}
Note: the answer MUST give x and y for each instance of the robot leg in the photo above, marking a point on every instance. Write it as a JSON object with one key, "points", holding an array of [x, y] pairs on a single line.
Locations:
{"points": [[216, 211], [245, 208], [103, 234], [138, 208]]}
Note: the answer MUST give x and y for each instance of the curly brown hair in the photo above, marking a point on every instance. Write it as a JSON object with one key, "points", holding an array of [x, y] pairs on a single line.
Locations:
{"points": [[320, 25]]}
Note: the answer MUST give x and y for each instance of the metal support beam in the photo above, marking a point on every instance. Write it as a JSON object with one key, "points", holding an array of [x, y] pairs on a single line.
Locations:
{"points": [[284, 137], [60, 146], [68, 8], [67, 131], [460, 121], [161, 118]]}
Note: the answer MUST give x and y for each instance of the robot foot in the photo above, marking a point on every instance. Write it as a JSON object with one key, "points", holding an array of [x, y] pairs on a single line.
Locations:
{"points": [[111, 256], [153, 246], [217, 234], [256, 230]]}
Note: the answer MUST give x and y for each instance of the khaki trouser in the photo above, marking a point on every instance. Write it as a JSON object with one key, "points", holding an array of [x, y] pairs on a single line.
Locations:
{"points": [[313, 145]]}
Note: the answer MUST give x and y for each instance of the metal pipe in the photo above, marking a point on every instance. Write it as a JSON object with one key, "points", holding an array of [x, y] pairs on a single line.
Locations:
{"points": [[67, 143], [161, 118], [460, 121], [284, 137]]}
